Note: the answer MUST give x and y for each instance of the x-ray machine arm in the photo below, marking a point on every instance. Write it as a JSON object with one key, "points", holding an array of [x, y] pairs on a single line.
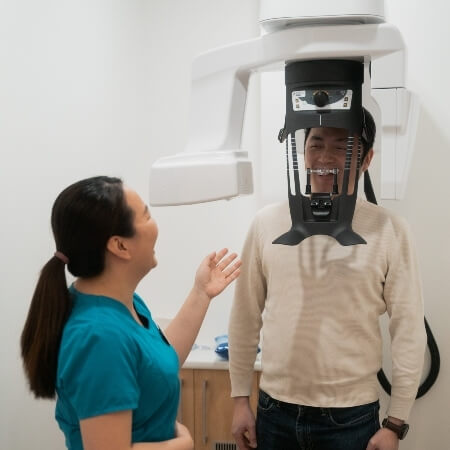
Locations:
{"points": [[214, 166]]}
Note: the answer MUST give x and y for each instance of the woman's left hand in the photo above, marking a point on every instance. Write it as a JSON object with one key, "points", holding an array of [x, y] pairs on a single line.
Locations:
{"points": [[216, 272]]}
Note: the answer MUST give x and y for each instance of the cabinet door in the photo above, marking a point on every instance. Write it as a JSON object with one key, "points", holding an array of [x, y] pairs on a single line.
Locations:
{"points": [[214, 409], [186, 406]]}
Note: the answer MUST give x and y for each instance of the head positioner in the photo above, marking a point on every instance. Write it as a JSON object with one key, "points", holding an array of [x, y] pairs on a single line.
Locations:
{"points": [[323, 93]]}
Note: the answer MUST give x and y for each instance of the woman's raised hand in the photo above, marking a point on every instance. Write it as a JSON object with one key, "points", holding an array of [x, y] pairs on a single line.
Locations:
{"points": [[216, 272]]}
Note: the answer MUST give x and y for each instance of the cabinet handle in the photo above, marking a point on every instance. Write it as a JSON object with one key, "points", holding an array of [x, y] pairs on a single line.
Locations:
{"points": [[204, 425], [180, 406]]}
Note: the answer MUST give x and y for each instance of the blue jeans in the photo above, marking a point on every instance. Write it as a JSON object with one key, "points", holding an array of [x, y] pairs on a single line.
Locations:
{"points": [[286, 426]]}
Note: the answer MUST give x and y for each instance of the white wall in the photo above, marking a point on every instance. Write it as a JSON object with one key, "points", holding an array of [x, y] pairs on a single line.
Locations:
{"points": [[90, 87], [99, 87], [424, 26]]}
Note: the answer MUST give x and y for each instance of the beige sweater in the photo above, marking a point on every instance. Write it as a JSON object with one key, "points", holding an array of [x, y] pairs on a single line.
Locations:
{"points": [[319, 303]]}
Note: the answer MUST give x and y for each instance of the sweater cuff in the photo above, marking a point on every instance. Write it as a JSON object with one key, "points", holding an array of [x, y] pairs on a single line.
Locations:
{"points": [[400, 408], [241, 385]]}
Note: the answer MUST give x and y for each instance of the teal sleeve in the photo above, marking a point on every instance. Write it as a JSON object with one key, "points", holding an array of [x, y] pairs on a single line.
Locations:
{"points": [[99, 372]]}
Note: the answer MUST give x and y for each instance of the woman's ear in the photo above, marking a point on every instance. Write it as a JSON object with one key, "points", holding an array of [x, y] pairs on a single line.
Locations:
{"points": [[118, 247], [367, 160]]}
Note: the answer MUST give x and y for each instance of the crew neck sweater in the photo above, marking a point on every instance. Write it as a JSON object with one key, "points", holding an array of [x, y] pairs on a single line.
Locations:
{"points": [[318, 305]]}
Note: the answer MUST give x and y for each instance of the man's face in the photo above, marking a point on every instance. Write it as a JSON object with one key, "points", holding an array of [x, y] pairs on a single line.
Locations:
{"points": [[325, 148]]}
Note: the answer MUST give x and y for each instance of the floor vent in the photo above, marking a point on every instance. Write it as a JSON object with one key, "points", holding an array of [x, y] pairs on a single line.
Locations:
{"points": [[224, 446]]}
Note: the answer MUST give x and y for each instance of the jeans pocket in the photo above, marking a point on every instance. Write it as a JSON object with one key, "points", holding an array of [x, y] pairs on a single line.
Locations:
{"points": [[352, 415], [265, 401]]}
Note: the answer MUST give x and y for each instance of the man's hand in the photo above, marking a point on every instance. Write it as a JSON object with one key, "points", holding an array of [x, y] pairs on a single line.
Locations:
{"points": [[243, 425], [383, 439]]}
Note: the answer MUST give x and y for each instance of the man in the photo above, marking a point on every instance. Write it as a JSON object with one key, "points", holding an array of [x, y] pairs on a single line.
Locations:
{"points": [[318, 304]]}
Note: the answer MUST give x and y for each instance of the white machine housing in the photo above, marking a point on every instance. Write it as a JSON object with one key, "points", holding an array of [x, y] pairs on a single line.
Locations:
{"points": [[274, 15], [214, 166]]}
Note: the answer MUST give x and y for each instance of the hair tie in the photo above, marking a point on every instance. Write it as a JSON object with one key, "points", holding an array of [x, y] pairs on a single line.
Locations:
{"points": [[62, 257]]}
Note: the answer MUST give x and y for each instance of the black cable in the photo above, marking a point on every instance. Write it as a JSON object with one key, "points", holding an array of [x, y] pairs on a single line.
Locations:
{"points": [[434, 351], [368, 189]]}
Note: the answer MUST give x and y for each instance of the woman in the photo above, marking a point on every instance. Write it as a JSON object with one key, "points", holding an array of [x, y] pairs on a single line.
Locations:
{"points": [[95, 344]]}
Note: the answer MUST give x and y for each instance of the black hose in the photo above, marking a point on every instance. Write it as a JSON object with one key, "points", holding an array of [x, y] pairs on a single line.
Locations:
{"points": [[434, 351]]}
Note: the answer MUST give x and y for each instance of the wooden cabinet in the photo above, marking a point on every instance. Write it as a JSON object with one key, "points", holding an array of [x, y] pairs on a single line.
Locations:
{"points": [[186, 406], [206, 407]]}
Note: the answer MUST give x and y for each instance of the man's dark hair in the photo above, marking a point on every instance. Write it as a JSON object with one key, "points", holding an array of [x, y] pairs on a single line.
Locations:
{"points": [[369, 130]]}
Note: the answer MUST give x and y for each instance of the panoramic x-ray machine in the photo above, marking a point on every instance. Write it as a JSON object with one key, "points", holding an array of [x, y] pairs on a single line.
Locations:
{"points": [[324, 47], [214, 166]]}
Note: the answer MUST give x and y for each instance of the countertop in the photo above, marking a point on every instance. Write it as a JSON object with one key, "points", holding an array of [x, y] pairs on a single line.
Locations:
{"points": [[204, 357]]}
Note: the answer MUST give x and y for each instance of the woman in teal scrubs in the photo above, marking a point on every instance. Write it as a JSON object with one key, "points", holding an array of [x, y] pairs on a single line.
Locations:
{"points": [[94, 344]]}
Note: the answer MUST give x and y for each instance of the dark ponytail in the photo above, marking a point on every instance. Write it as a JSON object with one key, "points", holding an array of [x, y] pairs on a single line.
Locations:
{"points": [[42, 331], [84, 216]]}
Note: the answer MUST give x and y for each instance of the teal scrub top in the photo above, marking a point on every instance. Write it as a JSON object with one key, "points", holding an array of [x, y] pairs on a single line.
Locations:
{"points": [[107, 362]]}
